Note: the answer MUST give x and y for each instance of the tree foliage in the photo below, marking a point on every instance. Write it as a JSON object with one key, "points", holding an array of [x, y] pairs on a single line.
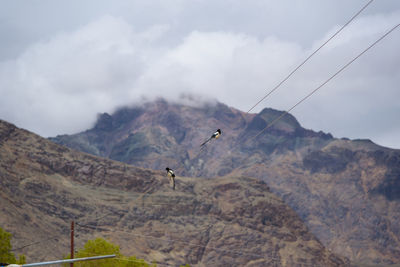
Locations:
{"points": [[21, 259], [6, 256], [100, 247]]}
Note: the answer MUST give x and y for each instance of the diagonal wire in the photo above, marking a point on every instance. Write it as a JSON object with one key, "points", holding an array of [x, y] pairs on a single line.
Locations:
{"points": [[38, 242], [311, 55], [300, 65], [324, 83]]}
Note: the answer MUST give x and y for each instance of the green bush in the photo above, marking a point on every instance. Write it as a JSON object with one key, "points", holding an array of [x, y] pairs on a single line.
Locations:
{"points": [[100, 247], [6, 256]]}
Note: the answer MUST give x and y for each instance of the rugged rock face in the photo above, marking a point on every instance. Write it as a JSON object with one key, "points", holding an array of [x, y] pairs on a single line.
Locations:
{"points": [[229, 221], [346, 191], [338, 191]]}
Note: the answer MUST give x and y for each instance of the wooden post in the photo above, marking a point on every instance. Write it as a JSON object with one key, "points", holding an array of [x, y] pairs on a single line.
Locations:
{"points": [[72, 243]]}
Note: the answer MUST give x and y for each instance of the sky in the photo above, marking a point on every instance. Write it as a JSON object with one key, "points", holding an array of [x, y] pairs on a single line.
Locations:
{"points": [[64, 62]]}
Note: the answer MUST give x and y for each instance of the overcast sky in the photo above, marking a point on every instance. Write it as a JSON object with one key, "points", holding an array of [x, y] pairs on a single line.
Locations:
{"points": [[63, 62]]}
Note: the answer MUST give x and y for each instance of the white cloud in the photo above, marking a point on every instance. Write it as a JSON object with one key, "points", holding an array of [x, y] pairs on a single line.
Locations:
{"points": [[230, 67], [59, 85]]}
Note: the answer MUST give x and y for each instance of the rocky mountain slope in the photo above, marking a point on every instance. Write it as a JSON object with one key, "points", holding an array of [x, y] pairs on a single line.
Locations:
{"points": [[228, 221], [347, 191]]}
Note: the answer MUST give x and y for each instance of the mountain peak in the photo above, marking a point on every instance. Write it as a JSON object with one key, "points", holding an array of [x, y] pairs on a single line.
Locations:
{"points": [[286, 123], [104, 122]]}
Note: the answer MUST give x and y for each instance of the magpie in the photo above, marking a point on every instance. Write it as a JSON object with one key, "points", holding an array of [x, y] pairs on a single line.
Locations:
{"points": [[171, 175], [215, 135]]}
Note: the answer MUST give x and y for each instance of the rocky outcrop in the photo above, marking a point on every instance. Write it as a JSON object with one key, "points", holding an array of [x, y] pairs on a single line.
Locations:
{"points": [[228, 221]]}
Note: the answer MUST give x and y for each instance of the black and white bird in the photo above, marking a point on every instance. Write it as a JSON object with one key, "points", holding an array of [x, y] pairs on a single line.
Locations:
{"points": [[171, 175], [215, 135]]}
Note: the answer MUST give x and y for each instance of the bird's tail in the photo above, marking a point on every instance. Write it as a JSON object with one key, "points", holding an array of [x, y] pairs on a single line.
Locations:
{"points": [[206, 142]]}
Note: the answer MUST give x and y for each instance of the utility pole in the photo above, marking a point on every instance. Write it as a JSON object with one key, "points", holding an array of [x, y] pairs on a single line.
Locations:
{"points": [[72, 243]]}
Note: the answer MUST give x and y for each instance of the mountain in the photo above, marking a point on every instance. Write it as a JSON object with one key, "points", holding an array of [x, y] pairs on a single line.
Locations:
{"points": [[225, 221], [347, 191]]}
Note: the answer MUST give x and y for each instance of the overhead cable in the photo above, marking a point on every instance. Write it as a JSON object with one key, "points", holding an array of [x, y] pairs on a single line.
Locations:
{"points": [[324, 83], [312, 54]]}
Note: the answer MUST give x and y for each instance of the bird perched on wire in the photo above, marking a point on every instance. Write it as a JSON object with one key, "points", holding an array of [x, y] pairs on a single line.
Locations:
{"points": [[215, 135], [171, 175]]}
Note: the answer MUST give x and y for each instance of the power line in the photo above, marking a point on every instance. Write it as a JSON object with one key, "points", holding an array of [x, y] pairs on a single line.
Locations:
{"points": [[312, 54], [324, 83], [96, 219], [38, 242]]}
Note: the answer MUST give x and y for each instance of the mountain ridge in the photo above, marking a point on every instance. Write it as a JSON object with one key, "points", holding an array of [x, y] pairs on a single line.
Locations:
{"points": [[319, 176]]}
